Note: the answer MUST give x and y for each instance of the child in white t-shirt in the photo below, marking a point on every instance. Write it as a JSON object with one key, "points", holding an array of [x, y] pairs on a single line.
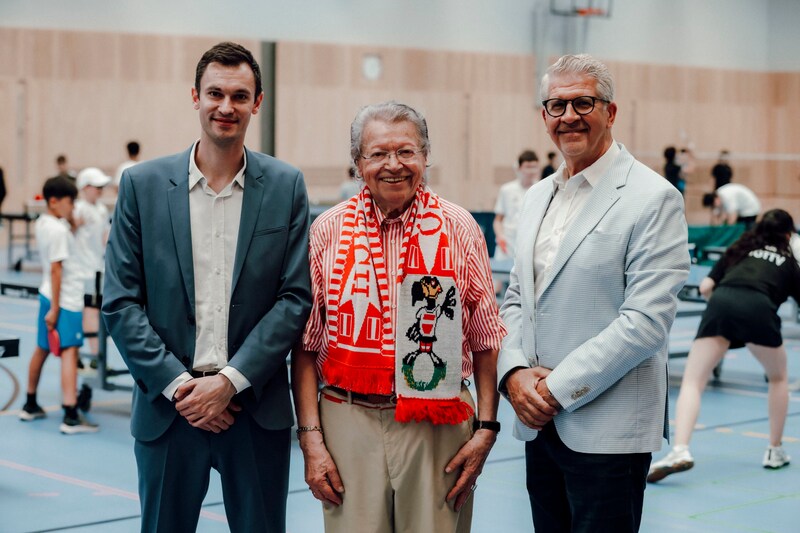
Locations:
{"points": [[92, 224], [60, 306]]}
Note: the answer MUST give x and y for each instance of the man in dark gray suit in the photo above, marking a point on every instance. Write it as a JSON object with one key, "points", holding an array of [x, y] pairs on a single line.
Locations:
{"points": [[207, 287]]}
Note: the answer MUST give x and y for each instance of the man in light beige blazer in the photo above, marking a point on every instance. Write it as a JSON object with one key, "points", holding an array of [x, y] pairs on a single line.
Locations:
{"points": [[601, 254]]}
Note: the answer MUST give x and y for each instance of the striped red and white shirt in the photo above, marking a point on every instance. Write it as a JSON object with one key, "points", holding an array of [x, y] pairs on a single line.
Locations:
{"points": [[481, 324]]}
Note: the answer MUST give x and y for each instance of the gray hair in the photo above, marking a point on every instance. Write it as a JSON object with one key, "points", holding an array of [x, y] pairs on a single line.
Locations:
{"points": [[391, 112], [580, 64]]}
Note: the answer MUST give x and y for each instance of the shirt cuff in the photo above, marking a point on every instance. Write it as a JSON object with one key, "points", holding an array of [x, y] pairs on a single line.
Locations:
{"points": [[238, 380], [172, 388], [508, 360]]}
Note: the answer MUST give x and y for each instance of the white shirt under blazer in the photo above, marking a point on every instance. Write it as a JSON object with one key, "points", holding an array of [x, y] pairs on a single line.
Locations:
{"points": [[605, 309]]}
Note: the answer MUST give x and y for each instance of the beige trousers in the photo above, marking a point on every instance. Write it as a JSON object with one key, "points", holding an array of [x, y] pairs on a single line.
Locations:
{"points": [[393, 473]]}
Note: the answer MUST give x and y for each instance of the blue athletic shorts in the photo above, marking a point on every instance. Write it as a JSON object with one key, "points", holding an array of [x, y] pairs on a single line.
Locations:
{"points": [[69, 326]]}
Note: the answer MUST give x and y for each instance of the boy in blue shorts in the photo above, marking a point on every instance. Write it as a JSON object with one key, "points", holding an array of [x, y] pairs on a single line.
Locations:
{"points": [[60, 306]]}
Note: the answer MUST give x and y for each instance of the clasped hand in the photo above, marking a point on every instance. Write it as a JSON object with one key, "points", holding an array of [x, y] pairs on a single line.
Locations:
{"points": [[206, 402], [526, 388]]}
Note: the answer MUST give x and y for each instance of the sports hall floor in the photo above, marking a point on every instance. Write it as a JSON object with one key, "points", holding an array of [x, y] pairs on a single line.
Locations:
{"points": [[87, 483]]}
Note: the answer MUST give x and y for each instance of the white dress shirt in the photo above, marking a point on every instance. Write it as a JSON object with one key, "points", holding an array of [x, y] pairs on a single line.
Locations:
{"points": [[569, 197], [214, 220]]}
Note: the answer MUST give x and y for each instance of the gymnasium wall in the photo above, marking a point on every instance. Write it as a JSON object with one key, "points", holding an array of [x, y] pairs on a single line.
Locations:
{"points": [[86, 93], [481, 113]]}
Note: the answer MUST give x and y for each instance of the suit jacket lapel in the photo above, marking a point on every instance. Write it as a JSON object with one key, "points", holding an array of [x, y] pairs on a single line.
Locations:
{"points": [[533, 220], [178, 199], [251, 208], [602, 197]]}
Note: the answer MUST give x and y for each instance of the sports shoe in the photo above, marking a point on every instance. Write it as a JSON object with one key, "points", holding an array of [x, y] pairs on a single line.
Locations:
{"points": [[79, 424], [677, 460], [776, 457], [31, 412], [85, 398]]}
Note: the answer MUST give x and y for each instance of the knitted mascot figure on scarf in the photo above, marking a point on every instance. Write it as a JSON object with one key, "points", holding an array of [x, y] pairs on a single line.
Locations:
{"points": [[424, 329]]}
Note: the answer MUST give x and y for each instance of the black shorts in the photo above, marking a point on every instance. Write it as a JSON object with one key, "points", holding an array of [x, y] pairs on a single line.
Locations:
{"points": [[741, 315]]}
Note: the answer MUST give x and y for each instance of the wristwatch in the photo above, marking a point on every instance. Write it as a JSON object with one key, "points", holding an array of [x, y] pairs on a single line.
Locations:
{"points": [[491, 425]]}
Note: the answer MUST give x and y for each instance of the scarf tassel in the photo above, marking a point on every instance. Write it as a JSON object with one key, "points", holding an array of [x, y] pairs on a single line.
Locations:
{"points": [[450, 411], [363, 380]]}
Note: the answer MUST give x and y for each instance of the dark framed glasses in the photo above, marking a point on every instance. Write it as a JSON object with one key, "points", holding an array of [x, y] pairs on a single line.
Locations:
{"points": [[582, 105]]}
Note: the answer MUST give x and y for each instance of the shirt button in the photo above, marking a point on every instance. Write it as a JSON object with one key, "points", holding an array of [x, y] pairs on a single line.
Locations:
{"points": [[219, 308], [217, 234], [217, 271], [394, 306]]}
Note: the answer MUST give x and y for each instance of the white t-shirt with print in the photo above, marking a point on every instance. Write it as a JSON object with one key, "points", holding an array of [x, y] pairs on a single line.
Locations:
{"points": [[737, 198], [90, 247], [509, 203], [56, 243]]}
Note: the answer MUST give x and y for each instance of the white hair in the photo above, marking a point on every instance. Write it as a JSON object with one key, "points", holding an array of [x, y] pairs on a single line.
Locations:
{"points": [[580, 64], [391, 112]]}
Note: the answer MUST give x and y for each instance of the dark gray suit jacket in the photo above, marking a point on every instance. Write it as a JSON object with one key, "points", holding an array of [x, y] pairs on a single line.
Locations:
{"points": [[148, 297]]}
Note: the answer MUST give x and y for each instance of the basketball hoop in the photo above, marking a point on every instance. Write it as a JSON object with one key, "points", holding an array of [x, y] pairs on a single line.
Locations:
{"points": [[590, 12], [581, 8]]}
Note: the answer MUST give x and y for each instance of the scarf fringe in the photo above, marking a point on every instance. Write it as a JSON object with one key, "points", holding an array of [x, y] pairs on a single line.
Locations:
{"points": [[363, 380], [449, 411]]}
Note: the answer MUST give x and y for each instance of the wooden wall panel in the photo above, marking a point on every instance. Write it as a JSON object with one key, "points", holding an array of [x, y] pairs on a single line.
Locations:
{"points": [[482, 111], [478, 106], [9, 52], [9, 144], [86, 56], [314, 126], [501, 126], [86, 94], [787, 180], [752, 114], [785, 86], [147, 58]]}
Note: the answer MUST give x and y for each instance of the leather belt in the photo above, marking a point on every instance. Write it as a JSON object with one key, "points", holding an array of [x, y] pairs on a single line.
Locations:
{"points": [[203, 373], [373, 399]]}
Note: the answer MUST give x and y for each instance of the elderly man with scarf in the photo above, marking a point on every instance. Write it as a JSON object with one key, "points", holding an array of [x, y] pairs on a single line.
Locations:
{"points": [[404, 312]]}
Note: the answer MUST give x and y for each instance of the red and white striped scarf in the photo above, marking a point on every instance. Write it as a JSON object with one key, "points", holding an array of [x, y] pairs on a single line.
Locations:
{"points": [[366, 349]]}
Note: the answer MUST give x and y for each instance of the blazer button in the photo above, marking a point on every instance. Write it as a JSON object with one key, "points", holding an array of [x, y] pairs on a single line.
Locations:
{"points": [[190, 319], [185, 360]]}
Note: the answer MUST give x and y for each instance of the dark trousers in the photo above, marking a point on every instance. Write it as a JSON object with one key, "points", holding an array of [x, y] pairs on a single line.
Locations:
{"points": [[583, 492], [253, 464], [748, 222]]}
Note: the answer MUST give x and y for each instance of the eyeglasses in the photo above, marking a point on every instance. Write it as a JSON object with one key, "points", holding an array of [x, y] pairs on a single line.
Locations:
{"points": [[582, 105], [404, 155]]}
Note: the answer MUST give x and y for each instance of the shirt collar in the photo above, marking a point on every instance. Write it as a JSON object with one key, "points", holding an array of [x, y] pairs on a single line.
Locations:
{"points": [[195, 175], [380, 218], [593, 173]]}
